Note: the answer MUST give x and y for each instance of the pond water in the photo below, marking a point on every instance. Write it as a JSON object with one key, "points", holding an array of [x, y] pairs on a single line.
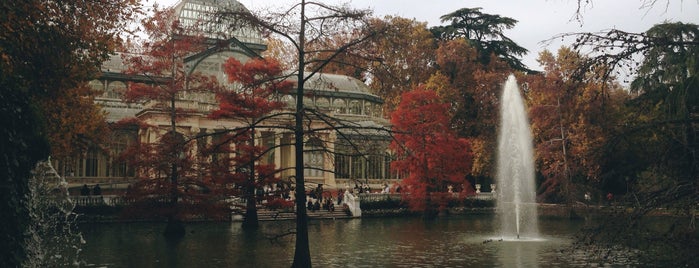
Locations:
{"points": [[462, 241]]}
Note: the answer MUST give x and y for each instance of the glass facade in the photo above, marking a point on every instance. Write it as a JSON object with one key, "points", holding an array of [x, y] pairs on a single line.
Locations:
{"points": [[341, 98]]}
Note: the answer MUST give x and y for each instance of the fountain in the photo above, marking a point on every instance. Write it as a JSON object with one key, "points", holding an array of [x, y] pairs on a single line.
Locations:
{"points": [[53, 239], [516, 206]]}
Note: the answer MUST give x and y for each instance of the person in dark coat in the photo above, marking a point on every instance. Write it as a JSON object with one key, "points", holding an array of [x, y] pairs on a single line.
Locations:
{"points": [[97, 190], [85, 190]]}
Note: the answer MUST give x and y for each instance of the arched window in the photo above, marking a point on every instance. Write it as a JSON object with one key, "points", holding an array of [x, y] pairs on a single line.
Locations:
{"points": [[355, 107], [368, 107], [97, 85], [115, 90], [340, 106], [378, 110], [322, 103]]}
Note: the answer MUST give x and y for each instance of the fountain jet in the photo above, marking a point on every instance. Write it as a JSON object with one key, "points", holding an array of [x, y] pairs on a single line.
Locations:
{"points": [[516, 205]]}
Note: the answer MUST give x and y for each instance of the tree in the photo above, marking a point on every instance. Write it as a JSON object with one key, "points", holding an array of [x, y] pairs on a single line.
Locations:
{"points": [[282, 51], [571, 119], [252, 103], [166, 165], [668, 78], [316, 21], [46, 47], [406, 50], [485, 33], [658, 134], [430, 155], [473, 94], [73, 123]]}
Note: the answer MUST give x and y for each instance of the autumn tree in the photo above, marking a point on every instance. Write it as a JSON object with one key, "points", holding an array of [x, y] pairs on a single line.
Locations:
{"points": [[657, 135], [74, 123], [571, 119], [301, 25], [393, 62], [473, 94], [485, 33], [252, 103], [46, 48], [665, 85], [428, 152], [477, 57], [282, 51], [406, 50], [165, 166]]}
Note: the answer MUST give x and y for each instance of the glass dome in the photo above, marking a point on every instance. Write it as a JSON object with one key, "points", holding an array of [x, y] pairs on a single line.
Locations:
{"points": [[202, 14]]}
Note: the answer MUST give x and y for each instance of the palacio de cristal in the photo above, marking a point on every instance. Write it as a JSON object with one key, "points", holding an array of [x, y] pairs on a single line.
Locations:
{"points": [[345, 98]]}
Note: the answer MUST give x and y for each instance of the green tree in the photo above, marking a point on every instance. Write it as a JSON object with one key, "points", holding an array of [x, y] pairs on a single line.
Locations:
{"points": [[668, 80], [485, 33]]}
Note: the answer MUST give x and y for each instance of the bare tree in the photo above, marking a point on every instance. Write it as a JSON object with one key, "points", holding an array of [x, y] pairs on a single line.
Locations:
{"points": [[302, 25]]}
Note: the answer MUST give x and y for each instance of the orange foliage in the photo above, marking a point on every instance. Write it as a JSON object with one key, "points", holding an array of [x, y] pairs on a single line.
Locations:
{"points": [[570, 123], [429, 154], [473, 93], [73, 122], [406, 49], [259, 80]]}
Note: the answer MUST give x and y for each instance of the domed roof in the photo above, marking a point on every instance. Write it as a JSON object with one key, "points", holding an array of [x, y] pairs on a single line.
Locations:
{"points": [[202, 13], [323, 84], [336, 82]]}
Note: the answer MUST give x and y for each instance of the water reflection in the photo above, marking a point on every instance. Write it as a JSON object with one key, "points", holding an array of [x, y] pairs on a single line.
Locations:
{"points": [[385, 242]]}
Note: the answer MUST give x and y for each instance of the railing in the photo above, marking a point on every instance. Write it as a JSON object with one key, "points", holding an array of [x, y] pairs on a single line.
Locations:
{"points": [[374, 197], [109, 200], [370, 197], [483, 196], [353, 204], [79, 180]]}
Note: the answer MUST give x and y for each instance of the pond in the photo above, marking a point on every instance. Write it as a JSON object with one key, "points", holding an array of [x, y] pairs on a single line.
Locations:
{"points": [[461, 241]]}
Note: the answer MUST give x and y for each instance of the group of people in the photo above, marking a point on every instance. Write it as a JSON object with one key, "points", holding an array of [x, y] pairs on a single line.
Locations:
{"points": [[317, 195], [328, 205], [95, 190], [385, 189]]}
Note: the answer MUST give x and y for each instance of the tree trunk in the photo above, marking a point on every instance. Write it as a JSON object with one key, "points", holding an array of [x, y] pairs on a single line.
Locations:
{"points": [[302, 253], [250, 221], [175, 228]]}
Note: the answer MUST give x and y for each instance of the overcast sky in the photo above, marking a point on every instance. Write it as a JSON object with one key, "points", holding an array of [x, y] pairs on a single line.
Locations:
{"points": [[539, 20]]}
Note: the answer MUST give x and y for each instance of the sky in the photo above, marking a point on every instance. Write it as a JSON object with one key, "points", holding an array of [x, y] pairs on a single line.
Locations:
{"points": [[538, 20]]}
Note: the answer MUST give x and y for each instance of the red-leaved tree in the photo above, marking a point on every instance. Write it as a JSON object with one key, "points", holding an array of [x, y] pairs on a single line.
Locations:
{"points": [[251, 103], [430, 157], [164, 157]]}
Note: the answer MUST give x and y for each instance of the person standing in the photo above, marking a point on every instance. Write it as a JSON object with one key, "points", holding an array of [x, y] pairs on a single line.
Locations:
{"points": [[85, 191], [97, 190]]}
